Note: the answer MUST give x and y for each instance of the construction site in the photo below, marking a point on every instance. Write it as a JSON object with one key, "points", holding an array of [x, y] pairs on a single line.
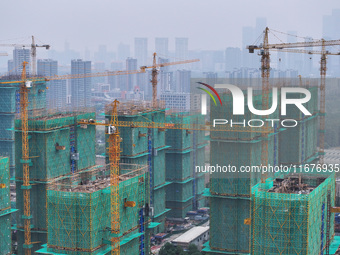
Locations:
{"points": [[58, 197]]}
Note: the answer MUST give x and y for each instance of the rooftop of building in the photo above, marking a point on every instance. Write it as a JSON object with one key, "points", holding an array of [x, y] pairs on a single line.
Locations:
{"points": [[94, 179], [191, 234], [46, 119], [135, 108], [297, 184]]}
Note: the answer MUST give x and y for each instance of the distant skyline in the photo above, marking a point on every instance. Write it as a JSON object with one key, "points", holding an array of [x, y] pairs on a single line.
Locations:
{"points": [[209, 25]]}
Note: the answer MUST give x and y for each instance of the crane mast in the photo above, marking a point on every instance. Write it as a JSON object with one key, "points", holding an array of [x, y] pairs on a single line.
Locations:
{"points": [[34, 56], [33, 47], [265, 72], [114, 157], [289, 47], [323, 70], [154, 74], [114, 140], [25, 160], [154, 82]]}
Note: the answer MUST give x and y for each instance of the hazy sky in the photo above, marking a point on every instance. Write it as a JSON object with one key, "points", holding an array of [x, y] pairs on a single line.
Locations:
{"points": [[209, 24]]}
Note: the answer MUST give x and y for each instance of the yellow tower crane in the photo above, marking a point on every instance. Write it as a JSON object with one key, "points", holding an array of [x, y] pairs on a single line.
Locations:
{"points": [[265, 47], [155, 71], [114, 157], [33, 47], [114, 139]]}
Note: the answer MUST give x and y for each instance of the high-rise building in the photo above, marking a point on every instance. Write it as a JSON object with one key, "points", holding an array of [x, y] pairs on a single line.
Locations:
{"points": [[295, 61], [19, 56], [165, 77], [10, 67], [131, 64], [248, 38], [182, 78], [101, 54], [211, 78], [162, 46], [47, 67], [123, 51], [141, 50], [117, 81], [181, 48], [99, 67], [56, 94], [330, 31], [117, 66], [176, 100], [330, 25], [249, 35], [80, 88], [232, 58], [260, 26], [308, 60]]}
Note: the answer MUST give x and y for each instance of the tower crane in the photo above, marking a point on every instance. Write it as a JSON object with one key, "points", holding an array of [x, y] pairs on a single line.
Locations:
{"points": [[155, 71], [114, 157], [25, 85], [34, 47], [114, 147], [265, 47]]}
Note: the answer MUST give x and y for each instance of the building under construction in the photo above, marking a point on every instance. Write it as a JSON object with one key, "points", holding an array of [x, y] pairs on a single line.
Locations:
{"points": [[9, 108], [277, 215], [5, 208], [79, 212], [58, 147], [230, 193], [187, 150], [70, 196], [146, 146], [291, 215]]}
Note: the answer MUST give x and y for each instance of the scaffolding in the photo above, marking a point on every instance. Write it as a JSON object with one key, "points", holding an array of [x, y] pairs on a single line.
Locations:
{"points": [[292, 221], [58, 147], [176, 138], [50, 147], [79, 211], [5, 208], [186, 150], [303, 148], [9, 107], [230, 191], [146, 147]]}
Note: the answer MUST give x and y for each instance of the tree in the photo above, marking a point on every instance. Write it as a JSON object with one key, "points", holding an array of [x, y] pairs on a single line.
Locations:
{"points": [[193, 250], [170, 249]]}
